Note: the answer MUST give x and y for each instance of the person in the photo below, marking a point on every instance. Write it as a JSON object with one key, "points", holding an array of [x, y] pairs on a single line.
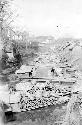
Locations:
{"points": [[53, 71], [30, 73]]}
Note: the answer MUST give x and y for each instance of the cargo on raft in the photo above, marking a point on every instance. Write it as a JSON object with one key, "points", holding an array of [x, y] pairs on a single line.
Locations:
{"points": [[34, 93]]}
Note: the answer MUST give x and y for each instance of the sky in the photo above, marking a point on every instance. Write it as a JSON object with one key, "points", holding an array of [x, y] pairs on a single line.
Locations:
{"points": [[59, 18]]}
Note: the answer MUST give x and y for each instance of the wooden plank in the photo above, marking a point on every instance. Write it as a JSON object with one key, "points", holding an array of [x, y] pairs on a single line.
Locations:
{"points": [[55, 79], [47, 78]]}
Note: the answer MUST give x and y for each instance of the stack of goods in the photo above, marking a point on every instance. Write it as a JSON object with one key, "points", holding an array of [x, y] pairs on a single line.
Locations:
{"points": [[34, 95]]}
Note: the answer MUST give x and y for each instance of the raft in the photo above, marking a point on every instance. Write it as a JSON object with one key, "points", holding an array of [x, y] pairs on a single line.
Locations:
{"points": [[30, 94]]}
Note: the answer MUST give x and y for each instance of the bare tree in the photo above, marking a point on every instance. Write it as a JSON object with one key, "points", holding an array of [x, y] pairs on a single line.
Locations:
{"points": [[4, 15], [7, 16], [6, 31]]}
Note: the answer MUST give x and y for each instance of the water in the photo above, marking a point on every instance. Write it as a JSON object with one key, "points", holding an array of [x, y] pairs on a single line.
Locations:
{"points": [[42, 116]]}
